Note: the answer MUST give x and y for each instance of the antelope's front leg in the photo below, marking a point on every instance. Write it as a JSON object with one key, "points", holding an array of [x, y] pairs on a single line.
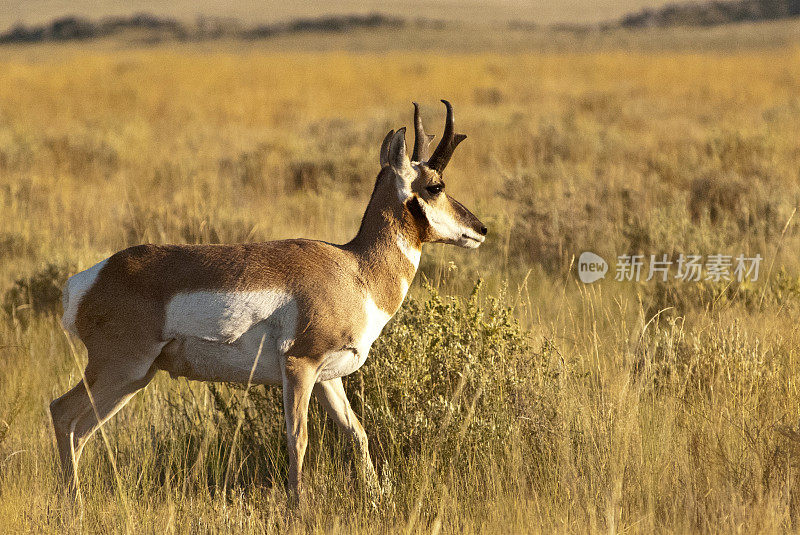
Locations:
{"points": [[298, 383], [332, 397]]}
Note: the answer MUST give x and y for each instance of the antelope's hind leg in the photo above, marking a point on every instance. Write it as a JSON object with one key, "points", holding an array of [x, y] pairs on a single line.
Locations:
{"points": [[64, 411], [332, 397], [76, 416], [109, 393]]}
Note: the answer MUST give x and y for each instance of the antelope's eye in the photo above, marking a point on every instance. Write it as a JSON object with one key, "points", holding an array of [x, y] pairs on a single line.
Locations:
{"points": [[435, 189]]}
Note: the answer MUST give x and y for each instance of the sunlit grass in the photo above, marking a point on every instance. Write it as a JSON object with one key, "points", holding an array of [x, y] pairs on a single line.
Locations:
{"points": [[591, 415]]}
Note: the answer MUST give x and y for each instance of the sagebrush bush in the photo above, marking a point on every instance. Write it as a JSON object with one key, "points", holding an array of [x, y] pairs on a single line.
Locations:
{"points": [[462, 360], [38, 293]]}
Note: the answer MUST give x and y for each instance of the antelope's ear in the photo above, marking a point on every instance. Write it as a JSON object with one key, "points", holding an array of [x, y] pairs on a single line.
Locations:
{"points": [[385, 149], [398, 157]]}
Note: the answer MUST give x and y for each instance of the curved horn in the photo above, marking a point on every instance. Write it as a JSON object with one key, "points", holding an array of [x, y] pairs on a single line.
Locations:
{"points": [[448, 143], [421, 139]]}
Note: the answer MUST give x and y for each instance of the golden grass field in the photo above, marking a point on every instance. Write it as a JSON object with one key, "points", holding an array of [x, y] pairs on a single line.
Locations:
{"points": [[533, 404]]}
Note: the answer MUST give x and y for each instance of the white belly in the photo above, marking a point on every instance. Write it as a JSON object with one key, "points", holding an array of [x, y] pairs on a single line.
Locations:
{"points": [[253, 355], [215, 336]]}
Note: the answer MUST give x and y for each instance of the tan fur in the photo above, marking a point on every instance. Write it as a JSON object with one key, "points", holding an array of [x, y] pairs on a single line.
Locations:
{"points": [[121, 317]]}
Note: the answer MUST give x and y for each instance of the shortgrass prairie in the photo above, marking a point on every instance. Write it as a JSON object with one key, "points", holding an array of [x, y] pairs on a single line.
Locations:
{"points": [[527, 403]]}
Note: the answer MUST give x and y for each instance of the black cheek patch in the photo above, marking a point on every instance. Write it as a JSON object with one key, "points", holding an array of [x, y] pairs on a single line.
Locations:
{"points": [[415, 208]]}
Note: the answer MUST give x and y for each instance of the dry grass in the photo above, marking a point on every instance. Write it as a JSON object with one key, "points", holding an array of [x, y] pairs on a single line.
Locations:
{"points": [[601, 416]]}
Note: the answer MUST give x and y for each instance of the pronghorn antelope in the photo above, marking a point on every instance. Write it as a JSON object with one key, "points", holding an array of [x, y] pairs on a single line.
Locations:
{"points": [[309, 309]]}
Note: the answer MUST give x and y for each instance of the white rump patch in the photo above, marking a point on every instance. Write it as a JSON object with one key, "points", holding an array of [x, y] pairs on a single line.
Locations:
{"points": [[412, 253], [226, 316], [73, 293]]}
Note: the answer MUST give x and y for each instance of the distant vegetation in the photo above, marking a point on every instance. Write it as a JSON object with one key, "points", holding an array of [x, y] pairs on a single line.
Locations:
{"points": [[155, 28], [712, 13], [149, 28]]}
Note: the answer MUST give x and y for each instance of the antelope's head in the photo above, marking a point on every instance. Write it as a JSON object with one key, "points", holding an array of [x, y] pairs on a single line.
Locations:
{"points": [[420, 186]]}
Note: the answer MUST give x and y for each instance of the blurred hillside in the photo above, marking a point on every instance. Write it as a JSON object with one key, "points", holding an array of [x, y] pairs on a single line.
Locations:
{"points": [[252, 12], [713, 13], [383, 33], [737, 24], [150, 28]]}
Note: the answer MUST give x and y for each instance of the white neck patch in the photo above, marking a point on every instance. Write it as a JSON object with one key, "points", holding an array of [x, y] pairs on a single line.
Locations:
{"points": [[376, 319], [404, 287], [412, 253]]}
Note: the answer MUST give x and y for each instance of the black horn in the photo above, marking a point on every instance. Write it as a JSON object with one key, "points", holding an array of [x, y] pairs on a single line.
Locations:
{"points": [[448, 143], [421, 139]]}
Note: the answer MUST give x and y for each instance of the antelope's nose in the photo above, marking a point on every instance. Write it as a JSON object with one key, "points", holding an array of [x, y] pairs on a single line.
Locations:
{"points": [[483, 230]]}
